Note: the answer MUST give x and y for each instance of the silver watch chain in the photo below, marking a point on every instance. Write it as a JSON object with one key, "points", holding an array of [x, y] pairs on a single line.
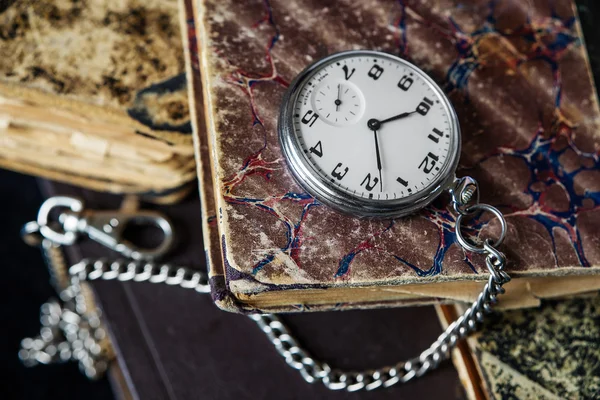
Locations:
{"points": [[72, 329]]}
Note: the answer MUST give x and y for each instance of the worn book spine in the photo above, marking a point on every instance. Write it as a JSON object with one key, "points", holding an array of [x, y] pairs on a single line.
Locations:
{"points": [[210, 233]]}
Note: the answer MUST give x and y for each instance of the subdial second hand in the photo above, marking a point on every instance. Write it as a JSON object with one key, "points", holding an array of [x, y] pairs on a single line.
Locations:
{"points": [[338, 101]]}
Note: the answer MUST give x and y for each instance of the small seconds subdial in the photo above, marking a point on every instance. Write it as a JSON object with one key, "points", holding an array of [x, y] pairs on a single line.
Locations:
{"points": [[369, 133], [339, 103]]}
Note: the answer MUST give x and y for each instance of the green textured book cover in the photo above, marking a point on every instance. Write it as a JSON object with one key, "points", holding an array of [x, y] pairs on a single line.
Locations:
{"points": [[551, 352]]}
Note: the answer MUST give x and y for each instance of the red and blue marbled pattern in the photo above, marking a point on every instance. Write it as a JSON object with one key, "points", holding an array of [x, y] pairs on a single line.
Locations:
{"points": [[517, 74]]}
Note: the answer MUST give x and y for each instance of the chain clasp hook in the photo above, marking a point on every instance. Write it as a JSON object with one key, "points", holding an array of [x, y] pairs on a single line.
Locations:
{"points": [[104, 227]]}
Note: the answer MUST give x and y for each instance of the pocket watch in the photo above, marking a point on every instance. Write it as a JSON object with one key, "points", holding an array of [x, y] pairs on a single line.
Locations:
{"points": [[369, 134]]}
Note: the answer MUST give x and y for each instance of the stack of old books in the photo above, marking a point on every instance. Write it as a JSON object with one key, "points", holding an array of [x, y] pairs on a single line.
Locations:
{"points": [[96, 94]]}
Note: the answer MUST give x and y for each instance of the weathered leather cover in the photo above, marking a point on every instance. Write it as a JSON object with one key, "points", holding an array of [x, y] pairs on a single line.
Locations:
{"points": [[518, 75], [95, 94]]}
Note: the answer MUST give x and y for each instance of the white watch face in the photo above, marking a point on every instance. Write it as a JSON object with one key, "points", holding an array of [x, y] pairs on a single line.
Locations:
{"points": [[373, 126]]}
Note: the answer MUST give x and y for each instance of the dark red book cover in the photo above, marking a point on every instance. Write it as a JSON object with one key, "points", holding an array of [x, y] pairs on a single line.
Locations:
{"points": [[517, 74]]}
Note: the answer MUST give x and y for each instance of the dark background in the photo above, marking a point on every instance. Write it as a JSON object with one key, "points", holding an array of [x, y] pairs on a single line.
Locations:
{"points": [[24, 285]]}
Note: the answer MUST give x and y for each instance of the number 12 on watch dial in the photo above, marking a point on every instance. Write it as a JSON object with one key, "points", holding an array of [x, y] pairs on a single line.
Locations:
{"points": [[369, 130]]}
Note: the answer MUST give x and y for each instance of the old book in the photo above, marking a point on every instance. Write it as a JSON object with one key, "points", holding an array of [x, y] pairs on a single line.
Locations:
{"points": [[95, 94], [518, 76], [551, 352]]}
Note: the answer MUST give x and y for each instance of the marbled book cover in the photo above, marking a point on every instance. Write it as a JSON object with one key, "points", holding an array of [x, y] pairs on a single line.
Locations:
{"points": [[518, 76]]}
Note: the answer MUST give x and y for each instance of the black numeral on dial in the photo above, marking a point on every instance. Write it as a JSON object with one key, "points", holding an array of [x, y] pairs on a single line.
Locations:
{"points": [[369, 182], [348, 74], [405, 82], [375, 72], [433, 138], [317, 149], [429, 162], [402, 182], [309, 118], [424, 106], [336, 174]]}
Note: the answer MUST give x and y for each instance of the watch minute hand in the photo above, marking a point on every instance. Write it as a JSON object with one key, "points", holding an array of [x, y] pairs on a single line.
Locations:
{"points": [[378, 160]]}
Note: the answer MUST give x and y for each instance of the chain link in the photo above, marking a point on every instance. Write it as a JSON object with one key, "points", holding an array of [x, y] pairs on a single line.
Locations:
{"points": [[82, 331], [334, 379], [72, 331]]}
